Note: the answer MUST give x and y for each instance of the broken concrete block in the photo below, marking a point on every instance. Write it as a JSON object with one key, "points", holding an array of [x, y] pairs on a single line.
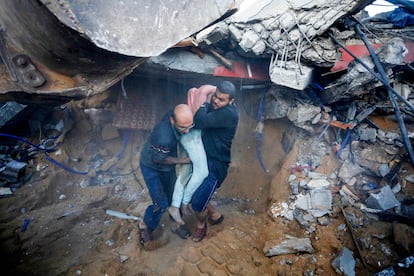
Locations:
{"points": [[288, 246], [367, 134], [344, 263], [349, 170], [249, 39], [235, 33], [317, 184], [384, 200], [393, 52], [388, 137], [258, 27], [321, 202], [316, 202], [303, 202], [259, 47], [294, 186], [316, 175], [291, 74], [384, 169], [303, 113], [212, 34], [304, 220]]}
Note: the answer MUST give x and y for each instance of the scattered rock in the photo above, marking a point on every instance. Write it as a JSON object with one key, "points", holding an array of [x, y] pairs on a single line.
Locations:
{"points": [[344, 263], [288, 246]]}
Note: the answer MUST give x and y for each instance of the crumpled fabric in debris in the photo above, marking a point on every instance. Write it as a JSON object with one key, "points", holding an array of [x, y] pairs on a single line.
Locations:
{"points": [[401, 17]]}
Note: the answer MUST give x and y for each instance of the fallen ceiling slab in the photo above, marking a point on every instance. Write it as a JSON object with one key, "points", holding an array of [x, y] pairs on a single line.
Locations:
{"points": [[63, 50], [138, 28]]}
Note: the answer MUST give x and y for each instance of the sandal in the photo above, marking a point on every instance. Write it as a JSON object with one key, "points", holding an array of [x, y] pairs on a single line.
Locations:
{"points": [[200, 233], [182, 232], [144, 236], [217, 221]]}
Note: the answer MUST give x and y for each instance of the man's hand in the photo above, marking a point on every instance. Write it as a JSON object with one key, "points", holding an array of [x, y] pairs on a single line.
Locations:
{"points": [[174, 160], [209, 96]]}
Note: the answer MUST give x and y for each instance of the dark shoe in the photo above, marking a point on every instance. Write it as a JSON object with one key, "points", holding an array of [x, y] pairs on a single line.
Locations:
{"points": [[200, 233], [182, 232], [217, 221], [144, 236]]}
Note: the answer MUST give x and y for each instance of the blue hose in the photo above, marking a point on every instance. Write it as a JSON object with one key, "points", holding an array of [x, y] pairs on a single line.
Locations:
{"points": [[46, 150], [126, 140], [27, 142]]}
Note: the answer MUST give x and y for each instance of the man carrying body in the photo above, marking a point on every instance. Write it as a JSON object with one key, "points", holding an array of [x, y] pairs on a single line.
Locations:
{"points": [[157, 162], [218, 119], [190, 176]]}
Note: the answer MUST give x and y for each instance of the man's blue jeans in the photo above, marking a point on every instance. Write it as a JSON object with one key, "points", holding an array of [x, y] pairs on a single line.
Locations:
{"points": [[190, 176], [160, 187], [203, 194]]}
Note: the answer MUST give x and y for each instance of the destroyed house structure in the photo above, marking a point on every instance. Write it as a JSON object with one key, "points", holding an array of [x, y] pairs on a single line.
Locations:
{"points": [[326, 67]]}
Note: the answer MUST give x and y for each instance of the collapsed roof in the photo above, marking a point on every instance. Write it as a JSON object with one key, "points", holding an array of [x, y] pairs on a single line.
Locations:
{"points": [[73, 49], [288, 43]]}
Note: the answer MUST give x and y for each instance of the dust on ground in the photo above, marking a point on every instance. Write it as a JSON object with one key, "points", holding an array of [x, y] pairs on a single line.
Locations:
{"points": [[70, 234]]}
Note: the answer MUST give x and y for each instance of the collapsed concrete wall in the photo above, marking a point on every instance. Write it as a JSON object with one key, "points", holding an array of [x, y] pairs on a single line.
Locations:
{"points": [[287, 30]]}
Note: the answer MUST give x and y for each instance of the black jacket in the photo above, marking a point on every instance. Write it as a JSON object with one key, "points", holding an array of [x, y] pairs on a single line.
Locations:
{"points": [[218, 130]]}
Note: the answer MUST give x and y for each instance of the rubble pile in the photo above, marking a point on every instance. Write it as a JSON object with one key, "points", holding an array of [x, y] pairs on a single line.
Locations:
{"points": [[342, 79], [26, 132], [13, 164], [371, 185]]}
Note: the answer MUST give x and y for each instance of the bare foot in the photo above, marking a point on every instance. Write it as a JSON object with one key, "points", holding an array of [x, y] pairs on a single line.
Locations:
{"points": [[175, 213]]}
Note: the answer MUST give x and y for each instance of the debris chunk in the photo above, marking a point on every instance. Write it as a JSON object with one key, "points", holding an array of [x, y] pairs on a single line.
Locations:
{"points": [[288, 246], [384, 200], [344, 263]]}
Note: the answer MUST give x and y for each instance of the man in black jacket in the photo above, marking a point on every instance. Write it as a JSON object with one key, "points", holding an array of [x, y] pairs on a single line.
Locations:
{"points": [[218, 119]]}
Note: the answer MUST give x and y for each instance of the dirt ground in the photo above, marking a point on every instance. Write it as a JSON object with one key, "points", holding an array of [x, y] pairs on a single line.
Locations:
{"points": [[70, 234]]}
